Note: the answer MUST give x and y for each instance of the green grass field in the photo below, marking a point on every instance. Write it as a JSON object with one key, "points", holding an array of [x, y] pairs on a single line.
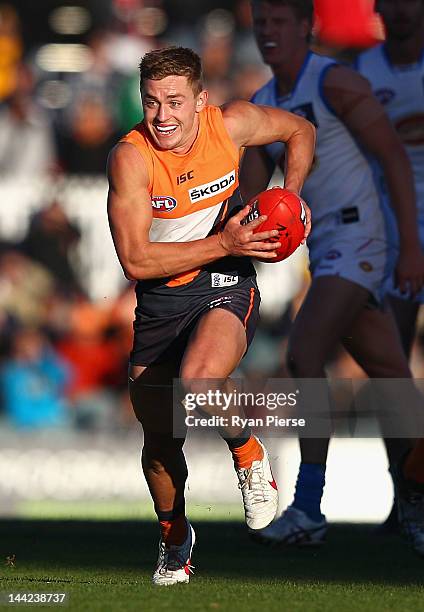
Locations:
{"points": [[106, 566]]}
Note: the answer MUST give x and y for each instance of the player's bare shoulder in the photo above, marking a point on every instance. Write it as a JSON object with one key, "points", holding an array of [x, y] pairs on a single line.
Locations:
{"points": [[126, 167], [235, 108], [238, 116]]}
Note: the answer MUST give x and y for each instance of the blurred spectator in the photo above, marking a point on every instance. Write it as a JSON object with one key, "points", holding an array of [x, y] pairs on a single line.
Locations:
{"points": [[85, 143], [25, 288], [121, 315], [89, 124], [217, 45], [10, 49], [103, 79], [26, 138], [129, 107], [49, 241], [133, 33], [245, 49], [8, 325], [219, 91], [249, 78], [216, 56], [93, 351], [32, 383]]}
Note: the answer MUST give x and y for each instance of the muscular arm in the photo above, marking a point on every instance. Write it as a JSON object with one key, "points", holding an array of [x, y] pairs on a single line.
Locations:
{"points": [[252, 125], [350, 95], [130, 219], [255, 173]]}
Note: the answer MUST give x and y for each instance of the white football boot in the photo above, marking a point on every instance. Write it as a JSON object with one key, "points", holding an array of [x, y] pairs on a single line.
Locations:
{"points": [[259, 491], [174, 562], [294, 528]]}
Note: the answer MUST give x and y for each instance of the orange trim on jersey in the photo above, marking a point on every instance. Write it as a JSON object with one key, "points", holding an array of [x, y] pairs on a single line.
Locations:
{"points": [[183, 279], [224, 212], [249, 312]]}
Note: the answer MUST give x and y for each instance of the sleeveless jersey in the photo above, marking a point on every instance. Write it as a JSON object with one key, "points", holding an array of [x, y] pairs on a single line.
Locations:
{"points": [[193, 195], [340, 187], [400, 88]]}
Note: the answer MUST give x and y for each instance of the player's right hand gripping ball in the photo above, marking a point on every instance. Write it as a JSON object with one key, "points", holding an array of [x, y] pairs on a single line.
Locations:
{"points": [[285, 212]]}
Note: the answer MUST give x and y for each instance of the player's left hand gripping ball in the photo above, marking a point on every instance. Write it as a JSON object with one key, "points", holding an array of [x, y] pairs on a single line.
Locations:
{"points": [[287, 213]]}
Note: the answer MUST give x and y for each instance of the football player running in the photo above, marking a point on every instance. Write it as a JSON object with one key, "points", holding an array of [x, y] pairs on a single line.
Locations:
{"points": [[175, 217]]}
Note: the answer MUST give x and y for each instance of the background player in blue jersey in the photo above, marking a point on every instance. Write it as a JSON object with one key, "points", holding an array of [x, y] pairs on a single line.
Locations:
{"points": [[348, 247], [395, 71]]}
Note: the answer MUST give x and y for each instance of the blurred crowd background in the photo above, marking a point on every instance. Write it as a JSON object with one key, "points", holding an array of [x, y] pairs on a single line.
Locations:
{"points": [[68, 90]]}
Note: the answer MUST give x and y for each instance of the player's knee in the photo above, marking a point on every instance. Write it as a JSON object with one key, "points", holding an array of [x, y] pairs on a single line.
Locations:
{"points": [[162, 453], [193, 372], [153, 463], [165, 465], [161, 447]]}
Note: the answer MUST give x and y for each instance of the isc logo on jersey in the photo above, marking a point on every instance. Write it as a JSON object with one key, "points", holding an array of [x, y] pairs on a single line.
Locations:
{"points": [[163, 203], [201, 192]]}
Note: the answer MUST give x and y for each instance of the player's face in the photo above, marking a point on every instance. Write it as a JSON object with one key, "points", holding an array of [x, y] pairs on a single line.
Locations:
{"points": [[171, 112], [402, 18], [278, 31]]}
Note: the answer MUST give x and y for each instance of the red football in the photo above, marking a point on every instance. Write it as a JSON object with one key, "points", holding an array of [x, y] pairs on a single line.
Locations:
{"points": [[285, 212]]}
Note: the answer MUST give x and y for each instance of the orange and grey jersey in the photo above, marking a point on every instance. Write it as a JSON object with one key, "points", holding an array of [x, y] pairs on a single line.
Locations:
{"points": [[193, 194]]}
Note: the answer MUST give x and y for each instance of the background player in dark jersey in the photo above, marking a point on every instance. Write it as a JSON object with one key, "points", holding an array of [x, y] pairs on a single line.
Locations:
{"points": [[211, 329]]}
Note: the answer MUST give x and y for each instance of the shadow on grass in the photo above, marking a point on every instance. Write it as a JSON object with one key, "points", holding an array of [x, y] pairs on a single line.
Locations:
{"points": [[352, 553]]}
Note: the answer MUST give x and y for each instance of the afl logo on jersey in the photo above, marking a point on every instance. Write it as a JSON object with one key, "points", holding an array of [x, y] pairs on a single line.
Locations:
{"points": [[411, 129], [163, 203]]}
